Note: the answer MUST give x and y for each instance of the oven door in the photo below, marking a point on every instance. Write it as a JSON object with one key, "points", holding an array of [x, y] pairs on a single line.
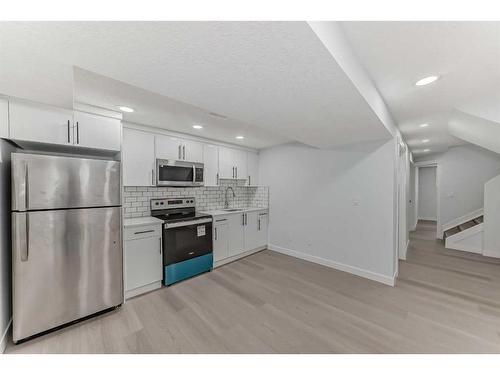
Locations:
{"points": [[178, 173], [186, 240]]}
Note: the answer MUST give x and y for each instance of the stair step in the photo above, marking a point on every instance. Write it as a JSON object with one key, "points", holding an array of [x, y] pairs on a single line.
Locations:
{"points": [[451, 232], [479, 220], [467, 225]]}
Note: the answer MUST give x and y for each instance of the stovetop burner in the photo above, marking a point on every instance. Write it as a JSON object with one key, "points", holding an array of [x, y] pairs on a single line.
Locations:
{"points": [[172, 210]]}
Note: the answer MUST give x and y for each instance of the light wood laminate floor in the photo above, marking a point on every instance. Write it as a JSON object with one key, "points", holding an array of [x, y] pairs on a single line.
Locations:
{"points": [[445, 301]]}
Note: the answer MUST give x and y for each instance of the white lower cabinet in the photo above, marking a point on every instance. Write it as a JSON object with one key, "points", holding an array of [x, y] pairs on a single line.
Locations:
{"points": [[221, 239], [143, 259], [238, 234]]}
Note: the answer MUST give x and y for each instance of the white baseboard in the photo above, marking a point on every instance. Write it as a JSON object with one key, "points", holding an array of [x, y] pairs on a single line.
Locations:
{"points": [[491, 254], [142, 289], [428, 218], [387, 280], [3, 341], [239, 256]]}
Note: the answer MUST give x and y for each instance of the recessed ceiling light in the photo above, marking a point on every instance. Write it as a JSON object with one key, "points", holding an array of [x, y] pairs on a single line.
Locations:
{"points": [[426, 80], [427, 150], [239, 137], [126, 109], [424, 125], [197, 127], [425, 140]]}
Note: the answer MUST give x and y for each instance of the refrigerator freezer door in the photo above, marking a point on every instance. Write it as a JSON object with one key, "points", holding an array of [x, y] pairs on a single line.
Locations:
{"points": [[67, 264], [41, 182]]}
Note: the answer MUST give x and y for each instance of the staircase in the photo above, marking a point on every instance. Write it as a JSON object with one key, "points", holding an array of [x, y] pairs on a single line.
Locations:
{"points": [[466, 233]]}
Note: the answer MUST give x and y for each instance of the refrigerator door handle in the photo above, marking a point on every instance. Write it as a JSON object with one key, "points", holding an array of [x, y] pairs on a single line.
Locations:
{"points": [[20, 240], [26, 187]]}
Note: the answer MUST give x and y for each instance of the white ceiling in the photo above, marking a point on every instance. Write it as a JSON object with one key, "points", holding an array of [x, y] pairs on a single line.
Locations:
{"points": [[465, 54], [162, 112], [276, 76]]}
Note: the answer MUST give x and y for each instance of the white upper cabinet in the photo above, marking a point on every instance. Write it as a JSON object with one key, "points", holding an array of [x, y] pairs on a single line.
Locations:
{"points": [[226, 162], [232, 163], [192, 151], [240, 163], [138, 157], [173, 148], [40, 123], [252, 168], [96, 131], [4, 118], [168, 147], [211, 161]]}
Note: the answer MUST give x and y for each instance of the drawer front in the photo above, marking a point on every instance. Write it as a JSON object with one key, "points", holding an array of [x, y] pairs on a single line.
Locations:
{"points": [[143, 231]]}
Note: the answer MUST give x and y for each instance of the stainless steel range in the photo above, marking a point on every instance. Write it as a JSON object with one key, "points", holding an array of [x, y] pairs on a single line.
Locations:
{"points": [[187, 238]]}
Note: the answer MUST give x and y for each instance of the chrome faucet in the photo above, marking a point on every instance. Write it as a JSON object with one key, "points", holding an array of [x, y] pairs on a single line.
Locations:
{"points": [[226, 202]]}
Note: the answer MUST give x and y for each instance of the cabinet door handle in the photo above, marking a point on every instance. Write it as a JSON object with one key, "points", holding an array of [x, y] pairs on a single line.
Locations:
{"points": [[216, 233], [249, 184], [77, 134], [152, 177], [145, 231], [217, 179], [236, 171], [68, 133], [184, 152], [259, 224], [219, 220], [160, 244], [180, 152]]}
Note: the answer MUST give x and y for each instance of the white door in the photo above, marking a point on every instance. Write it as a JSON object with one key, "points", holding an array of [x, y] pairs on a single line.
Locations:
{"points": [[262, 221], [138, 158], [40, 123], [226, 162], [143, 262], [221, 240], [236, 234], [240, 162], [96, 131], [4, 118], [167, 147], [192, 151], [252, 168], [251, 229], [211, 161]]}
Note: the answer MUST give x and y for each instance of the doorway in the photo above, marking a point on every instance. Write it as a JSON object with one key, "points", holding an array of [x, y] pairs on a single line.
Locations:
{"points": [[427, 193]]}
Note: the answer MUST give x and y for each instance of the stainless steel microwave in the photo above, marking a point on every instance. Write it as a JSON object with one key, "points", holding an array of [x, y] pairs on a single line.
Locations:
{"points": [[178, 173]]}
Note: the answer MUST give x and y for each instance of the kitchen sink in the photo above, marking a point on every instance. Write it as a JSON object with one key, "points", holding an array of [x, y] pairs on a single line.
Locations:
{"points": [[232, 209]]}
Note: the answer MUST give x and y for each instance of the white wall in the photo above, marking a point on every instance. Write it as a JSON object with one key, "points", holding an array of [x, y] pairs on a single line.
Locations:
{"points": [[334, 207], [5, 248], [427, 193], [463, 171], [492, 218]]}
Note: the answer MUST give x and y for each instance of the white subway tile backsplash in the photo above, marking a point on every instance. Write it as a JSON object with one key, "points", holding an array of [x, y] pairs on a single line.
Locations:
{"points": [[136, 198]]}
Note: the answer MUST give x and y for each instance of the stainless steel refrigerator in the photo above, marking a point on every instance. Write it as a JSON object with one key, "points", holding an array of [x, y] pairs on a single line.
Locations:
{"points": [[66, 240]]}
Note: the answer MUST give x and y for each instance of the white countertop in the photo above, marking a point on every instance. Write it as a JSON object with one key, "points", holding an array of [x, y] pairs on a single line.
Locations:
{"points": [[139, 221], [240, 210]]}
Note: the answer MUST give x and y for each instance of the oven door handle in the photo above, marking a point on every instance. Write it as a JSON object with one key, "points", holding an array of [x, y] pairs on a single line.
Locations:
{"points": [[186, 223], [194, 174]]}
